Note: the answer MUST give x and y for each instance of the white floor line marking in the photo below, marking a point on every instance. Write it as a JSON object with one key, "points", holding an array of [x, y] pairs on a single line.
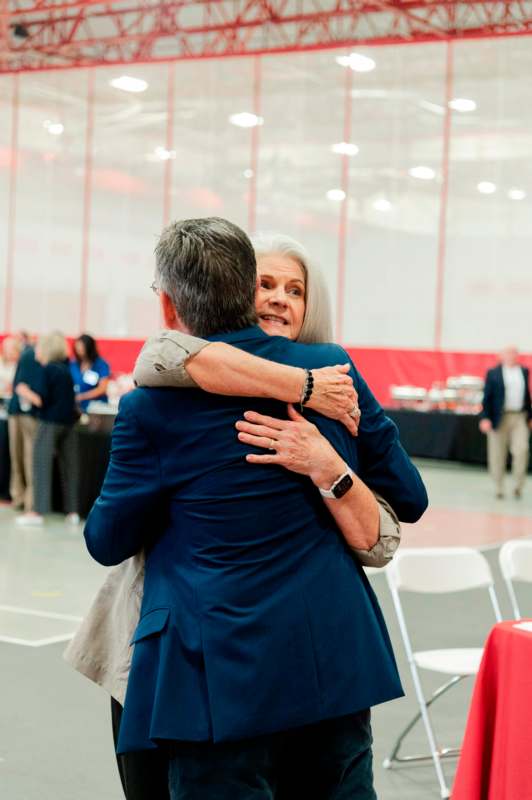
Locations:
{"points": [[31, 612], [64, 637]]}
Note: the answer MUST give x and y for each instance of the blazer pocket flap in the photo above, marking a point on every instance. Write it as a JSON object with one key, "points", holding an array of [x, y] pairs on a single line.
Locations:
{"points": [[153, 622]]}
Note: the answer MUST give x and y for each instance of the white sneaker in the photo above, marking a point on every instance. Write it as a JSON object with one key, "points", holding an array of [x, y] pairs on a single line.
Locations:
{"points": [[29, 519], [72, 519]]}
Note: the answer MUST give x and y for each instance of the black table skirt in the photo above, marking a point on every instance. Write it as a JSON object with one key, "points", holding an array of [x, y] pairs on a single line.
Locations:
{"points": [[4, 461], [440, 434], [93, 456], [437, 434]]}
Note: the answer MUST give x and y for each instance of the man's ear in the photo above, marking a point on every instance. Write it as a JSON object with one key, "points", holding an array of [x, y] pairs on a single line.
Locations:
{"points": [[170, 316]]}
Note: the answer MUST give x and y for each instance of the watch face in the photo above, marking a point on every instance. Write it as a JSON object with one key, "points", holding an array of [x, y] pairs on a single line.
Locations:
{"points": [[342, 486]]}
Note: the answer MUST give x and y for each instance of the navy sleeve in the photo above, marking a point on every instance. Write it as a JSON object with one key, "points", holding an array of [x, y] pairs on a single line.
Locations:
{"points": [[527, 402], [45, 385], [123, 518], [102, 368], [31, 372], [487, 400], [384, 465]]}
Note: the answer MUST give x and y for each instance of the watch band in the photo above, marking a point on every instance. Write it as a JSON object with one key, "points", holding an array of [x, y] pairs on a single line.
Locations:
{"points": [[330, 493]]}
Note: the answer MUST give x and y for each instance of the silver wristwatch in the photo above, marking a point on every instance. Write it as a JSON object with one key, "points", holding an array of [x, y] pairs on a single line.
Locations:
{"points": [[340, 487]]}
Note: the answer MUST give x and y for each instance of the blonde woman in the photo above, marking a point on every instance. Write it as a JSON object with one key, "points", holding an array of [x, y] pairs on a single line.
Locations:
{"points": [[55, 433]]}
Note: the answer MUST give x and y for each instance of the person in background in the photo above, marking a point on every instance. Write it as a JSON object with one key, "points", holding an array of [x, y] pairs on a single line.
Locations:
{"points": [[25, 339], [8, 363], [55, 432], [506, 419], [22, 424], [90, 372]]}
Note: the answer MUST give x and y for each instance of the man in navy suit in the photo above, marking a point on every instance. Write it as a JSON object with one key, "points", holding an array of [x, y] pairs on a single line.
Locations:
{"points": [[260, 642], [506, 418]]}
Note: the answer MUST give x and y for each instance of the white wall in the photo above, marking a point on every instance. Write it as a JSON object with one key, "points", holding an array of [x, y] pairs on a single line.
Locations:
{"points": [[96, 196]]}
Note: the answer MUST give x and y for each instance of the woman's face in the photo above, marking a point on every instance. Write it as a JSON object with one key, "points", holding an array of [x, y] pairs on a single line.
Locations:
{"points": [[79, 348], [280, 296]]}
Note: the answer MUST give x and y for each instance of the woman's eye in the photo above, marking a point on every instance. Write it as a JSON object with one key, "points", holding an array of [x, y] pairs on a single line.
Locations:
{"points": [[264, 285], [296, 292]]}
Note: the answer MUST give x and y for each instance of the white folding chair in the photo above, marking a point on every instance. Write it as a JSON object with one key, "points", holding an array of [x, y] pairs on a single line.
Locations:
{"points": [[437, 570], [515, 559]]}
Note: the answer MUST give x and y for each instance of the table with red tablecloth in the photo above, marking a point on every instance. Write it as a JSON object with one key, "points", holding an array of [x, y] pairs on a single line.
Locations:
{"points": [[496, 758]]}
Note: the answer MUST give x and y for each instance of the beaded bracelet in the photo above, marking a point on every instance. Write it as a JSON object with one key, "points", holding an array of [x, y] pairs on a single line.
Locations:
{"points": [[308, 386]]}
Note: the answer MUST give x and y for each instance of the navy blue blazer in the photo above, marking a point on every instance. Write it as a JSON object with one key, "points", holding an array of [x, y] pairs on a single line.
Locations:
{"points": [[255, 617], [493, 402]]}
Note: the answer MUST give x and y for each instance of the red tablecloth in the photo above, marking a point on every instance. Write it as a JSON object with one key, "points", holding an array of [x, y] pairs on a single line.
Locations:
{"points": [[496, 758]]}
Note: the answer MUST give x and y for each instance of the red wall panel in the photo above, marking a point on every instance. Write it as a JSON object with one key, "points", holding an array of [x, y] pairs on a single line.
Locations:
{"points": [[381, 367]]}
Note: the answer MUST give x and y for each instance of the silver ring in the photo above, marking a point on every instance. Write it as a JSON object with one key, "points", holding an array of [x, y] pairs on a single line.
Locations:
{"points": [[272, 444], [355, 412]]}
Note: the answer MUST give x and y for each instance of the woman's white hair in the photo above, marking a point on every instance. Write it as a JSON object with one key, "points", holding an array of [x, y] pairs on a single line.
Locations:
{"points": [[317, 326]]}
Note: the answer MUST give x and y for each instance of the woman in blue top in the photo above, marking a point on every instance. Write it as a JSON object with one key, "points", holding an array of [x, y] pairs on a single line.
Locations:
{"points": [[90, 372]]}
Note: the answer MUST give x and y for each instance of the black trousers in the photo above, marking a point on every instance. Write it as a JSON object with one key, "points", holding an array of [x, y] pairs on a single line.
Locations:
{"points": [[144, 775], [49, 439], [330, 760]]}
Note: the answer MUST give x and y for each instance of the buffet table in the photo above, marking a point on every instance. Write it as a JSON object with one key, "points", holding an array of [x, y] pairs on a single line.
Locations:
{"points": [[440, 434], [495, 761]]}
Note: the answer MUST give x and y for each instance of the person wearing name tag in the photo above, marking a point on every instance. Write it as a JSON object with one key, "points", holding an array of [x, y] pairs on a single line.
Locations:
{"points": [[90, 372]]}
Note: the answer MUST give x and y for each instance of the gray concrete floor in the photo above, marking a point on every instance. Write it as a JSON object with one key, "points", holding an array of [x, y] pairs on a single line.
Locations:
{"points": [[55, 738]]}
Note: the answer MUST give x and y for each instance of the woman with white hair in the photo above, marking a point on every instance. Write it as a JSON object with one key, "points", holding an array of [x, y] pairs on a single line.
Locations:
{"points": [[55, 432], [291, 301]]}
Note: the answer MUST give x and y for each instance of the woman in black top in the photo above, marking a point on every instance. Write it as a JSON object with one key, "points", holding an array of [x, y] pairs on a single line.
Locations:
{"points": [[57, 415]]}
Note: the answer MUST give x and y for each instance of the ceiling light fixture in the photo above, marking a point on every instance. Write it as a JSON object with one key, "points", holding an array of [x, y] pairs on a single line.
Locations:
{"points": [[163, 154], [128, 84], [55, 128], [486, 187], [516, 194], [423, 173], [382, 204], [337, 195], [462, 104], [357, 62], [248, 173], [246, 120], [345, 148], [434, 108]]}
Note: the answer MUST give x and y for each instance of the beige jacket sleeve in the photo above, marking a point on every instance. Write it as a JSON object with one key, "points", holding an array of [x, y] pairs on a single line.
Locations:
{"points": [[161, 362], [389, 537]]}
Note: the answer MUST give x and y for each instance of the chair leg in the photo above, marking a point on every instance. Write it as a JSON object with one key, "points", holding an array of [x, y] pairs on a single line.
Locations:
{"points": [[436, 753], [394, 758]]}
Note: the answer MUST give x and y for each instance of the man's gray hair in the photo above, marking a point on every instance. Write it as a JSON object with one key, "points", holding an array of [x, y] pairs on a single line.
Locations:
{"points": [[207, 267], [317, 326]]}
